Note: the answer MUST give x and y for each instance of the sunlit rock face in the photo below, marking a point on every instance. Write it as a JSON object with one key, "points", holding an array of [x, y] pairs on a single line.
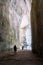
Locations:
{"points": [[11, 12], [8, 24], [19, 10], [25, 26]]}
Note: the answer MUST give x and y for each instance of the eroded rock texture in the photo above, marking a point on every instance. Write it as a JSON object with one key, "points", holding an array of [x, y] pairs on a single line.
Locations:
{"points": [[11, 12], [6, 34]]}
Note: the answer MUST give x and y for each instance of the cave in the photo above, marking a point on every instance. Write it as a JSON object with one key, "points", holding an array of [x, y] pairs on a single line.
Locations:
{"points": [[6, 25], [9, 33]]}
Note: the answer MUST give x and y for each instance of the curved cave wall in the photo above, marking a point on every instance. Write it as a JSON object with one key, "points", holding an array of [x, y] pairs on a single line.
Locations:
{"points": [[37, 26]]}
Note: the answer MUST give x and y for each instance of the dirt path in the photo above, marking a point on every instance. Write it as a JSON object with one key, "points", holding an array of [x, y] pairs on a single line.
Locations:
{"points": [[19, 58]]}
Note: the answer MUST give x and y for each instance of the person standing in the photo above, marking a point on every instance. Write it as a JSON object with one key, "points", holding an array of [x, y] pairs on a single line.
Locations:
{"points": [[15, 48]]}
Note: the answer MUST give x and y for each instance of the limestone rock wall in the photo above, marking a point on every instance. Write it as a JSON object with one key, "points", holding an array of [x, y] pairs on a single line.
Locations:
{"points": [[7, 35], [4, 26], [37, 26]]}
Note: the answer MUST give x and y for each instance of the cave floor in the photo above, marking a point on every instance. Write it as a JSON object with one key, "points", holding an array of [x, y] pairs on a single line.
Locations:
{"points": [[20, 58]]}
